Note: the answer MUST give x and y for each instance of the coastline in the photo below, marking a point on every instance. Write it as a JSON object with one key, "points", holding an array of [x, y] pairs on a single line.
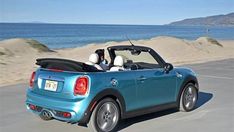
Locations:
{"points": [[17, 58]]}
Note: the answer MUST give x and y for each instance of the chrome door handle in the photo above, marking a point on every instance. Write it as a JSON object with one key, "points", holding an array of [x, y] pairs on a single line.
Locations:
{"points": [[142, 78]]}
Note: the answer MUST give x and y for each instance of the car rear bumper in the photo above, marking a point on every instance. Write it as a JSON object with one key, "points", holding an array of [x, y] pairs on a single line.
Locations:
{"points": [[57, 107]]}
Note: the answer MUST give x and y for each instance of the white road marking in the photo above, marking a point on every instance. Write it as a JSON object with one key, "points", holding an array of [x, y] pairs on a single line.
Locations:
{"points": [[218, 77], [194, 115], [202, 68]]}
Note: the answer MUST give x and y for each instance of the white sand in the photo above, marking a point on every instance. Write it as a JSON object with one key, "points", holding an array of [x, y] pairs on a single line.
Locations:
{"points": [[19, 57]]}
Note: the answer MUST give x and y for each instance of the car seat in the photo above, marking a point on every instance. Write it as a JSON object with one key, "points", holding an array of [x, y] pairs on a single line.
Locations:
{"points": [[118, 64], [93, 60]]}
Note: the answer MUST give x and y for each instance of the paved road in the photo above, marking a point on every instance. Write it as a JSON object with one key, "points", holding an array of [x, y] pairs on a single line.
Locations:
{"points": [[215, 112]]}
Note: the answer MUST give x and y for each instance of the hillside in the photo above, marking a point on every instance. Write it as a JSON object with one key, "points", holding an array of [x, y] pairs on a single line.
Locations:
{"points": [[217, 20]]}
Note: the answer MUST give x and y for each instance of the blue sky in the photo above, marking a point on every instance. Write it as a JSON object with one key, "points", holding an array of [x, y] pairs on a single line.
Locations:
{"points": [[146, 12]]}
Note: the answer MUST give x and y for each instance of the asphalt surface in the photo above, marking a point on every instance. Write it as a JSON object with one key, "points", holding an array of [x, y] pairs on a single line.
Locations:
{"points": [[214, 113]]}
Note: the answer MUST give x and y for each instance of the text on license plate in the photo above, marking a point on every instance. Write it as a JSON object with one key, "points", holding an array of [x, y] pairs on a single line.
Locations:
{"points": [[51, 85]]}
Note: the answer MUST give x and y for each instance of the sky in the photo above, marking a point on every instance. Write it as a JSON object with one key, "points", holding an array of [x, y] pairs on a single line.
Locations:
{"points": [[139, 12]]}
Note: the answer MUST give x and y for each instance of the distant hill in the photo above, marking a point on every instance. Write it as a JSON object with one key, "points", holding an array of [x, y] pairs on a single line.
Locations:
{"points": [[217, 20]]}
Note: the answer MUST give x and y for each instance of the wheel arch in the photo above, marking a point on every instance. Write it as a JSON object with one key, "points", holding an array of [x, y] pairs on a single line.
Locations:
{"points": [[187, 80], [106, 93]]}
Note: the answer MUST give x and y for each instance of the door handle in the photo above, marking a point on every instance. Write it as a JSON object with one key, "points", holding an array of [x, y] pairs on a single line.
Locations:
{"points": [[141, 78]]}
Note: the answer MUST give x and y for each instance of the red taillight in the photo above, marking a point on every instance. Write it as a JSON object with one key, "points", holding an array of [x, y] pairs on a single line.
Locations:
{"points": [[81, 86], [66, 114], [32, 107], [31, 82]]}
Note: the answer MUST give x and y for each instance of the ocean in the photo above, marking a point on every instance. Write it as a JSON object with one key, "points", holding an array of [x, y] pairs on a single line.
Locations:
{"points": [[57, 36]]}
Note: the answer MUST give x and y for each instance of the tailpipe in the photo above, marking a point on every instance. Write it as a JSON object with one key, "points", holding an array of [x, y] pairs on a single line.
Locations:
{"points": [[46, 115]]}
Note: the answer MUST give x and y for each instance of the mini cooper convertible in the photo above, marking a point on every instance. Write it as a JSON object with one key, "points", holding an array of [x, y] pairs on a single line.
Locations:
{"points": [[138, 82]]}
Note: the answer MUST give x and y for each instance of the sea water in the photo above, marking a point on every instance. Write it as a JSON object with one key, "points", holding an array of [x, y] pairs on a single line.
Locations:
{"points": [[74, 35]]}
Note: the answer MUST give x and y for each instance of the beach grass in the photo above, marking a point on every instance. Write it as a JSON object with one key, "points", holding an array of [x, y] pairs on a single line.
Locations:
{"points": [[39, 46], [214, 41], [2, 53]]}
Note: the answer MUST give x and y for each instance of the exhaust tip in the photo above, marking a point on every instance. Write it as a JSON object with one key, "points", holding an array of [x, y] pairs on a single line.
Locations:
{"points": [[46, 115]]}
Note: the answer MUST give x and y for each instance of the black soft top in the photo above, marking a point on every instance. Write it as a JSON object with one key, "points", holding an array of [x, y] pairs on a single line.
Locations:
{"points": [[66, 65]]}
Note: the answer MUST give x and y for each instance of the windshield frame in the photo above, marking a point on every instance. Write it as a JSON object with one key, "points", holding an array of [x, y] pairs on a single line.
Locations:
{"points": [[154, 54]]}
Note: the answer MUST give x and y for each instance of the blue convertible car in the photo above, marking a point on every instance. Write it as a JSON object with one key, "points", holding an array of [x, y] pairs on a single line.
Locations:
{"points": [[138, 82]]}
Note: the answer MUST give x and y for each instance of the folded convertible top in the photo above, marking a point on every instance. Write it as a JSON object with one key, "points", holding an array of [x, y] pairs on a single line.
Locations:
{"points": [[66, 65]]}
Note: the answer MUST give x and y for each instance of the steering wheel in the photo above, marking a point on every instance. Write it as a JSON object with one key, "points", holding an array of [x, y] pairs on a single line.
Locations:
{"points": [[134, 66]]}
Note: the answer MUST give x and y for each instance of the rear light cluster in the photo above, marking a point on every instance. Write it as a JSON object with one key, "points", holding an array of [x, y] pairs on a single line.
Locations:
{"points": [[35, 108], [32, 107], [32, 79], [63, 114], [81, 86], [66, 114]]}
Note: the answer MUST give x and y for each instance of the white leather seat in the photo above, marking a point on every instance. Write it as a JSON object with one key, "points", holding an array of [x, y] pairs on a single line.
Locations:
{"points": [[118, 64], [93, 60]]}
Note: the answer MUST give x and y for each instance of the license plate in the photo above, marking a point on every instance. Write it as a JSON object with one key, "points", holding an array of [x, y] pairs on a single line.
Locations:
{"points": [[51, 85]]}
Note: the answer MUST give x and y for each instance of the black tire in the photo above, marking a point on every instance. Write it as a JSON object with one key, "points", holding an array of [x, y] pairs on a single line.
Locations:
{"points": [[188, 98], [101, 115]]}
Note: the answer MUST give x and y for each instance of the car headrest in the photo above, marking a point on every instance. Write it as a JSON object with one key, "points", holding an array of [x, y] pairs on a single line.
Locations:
{"points": [[93, 58], [118, 61]]}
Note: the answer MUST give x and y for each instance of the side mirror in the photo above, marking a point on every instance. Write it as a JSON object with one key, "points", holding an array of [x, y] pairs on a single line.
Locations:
{"points": [[168, 67]]}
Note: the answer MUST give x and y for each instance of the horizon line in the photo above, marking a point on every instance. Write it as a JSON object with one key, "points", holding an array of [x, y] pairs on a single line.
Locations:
{"points": [[84, 23]]}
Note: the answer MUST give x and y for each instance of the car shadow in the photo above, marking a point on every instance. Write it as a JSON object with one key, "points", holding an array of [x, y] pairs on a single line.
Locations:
{"points": [[203, 98]]}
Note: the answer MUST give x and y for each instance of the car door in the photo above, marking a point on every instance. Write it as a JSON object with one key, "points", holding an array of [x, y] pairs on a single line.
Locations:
{"points": [[155, 87]]}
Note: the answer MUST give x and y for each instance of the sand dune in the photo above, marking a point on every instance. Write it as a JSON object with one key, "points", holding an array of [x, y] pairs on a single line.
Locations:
{"points": [[17, 56]]}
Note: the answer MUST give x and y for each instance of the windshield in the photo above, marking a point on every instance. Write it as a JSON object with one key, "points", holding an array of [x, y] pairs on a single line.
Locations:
{"points": [[143, 57]]}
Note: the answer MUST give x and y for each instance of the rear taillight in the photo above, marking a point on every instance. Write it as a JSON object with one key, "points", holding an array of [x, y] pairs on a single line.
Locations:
{"points": [[66, 114], [81, 86], [32, 107], [31, 82]]}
